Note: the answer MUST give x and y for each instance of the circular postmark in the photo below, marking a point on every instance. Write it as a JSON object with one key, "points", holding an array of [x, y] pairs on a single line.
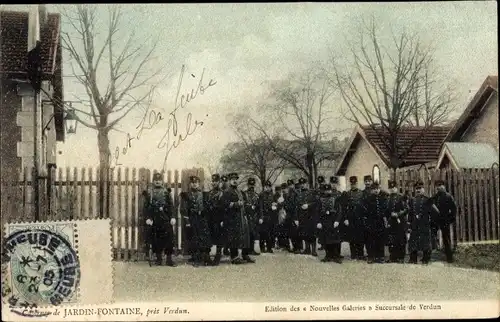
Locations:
{"points": [[42, 267]]}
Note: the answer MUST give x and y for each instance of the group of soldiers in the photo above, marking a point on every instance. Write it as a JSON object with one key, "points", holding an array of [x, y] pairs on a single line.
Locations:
{"points": [[293, 217]]}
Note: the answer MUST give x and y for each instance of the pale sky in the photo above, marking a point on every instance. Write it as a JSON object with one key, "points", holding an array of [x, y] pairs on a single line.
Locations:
{"points": [[244, 47]]}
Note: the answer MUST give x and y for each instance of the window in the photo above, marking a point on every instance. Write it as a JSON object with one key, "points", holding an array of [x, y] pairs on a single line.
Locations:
{"points": [[376, 174]]}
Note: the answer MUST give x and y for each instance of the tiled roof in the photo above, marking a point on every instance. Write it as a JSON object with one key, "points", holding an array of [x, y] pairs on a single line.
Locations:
{"points": [[14, 50], [14, 42], [424, 143]]}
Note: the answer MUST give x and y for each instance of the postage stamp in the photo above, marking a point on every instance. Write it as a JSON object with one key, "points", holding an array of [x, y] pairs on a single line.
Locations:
{"points": [[50, 264]]}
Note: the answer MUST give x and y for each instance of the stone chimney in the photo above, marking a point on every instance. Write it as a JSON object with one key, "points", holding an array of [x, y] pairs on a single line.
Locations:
{"points": [[42, 12], [33, 28]]}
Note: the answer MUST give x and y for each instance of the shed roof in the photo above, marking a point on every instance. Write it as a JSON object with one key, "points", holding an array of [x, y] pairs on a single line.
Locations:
{"points": [[465, 155]]}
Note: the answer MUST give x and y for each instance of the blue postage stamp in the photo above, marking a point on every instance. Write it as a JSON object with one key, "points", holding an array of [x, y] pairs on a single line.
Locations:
{"points": [[40, 264]]}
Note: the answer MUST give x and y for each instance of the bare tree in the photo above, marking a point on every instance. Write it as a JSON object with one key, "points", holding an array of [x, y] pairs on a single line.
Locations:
{"points": [[389, 88], [303, 110], [115, 75], [252, 152], [113, 67]]}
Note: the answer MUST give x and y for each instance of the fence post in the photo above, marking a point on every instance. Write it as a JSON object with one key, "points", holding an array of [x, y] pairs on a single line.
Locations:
{"points": [[134, 220], [126, 222], [144, 178]]}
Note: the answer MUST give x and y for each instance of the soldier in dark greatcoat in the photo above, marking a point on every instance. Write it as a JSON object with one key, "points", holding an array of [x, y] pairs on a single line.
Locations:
{"points": [[224, 184], [252, 212], [375, 211], [397, 212], [160, 219], [341, 200], [291, 217], [268, 218], [320, 181], [196, 208], [355, 226], [236, 222], [330, 218], [446, 215], [420, 213], [216, 216], [307, 216]]}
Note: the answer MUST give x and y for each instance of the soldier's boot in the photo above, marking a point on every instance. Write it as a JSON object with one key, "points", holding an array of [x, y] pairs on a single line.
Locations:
{"points": [[196, 259], [307, 251], [246, 257], [159, 256], [426, 257], [313, 249], [237, 261], [170, 261], [328, 254], [413, 258], [352, 251], [206, 260], [336, 253], [392, 254], [296, 247], [217, 258], [269, 247], [339, 250], [401, 254], [192, 256]]}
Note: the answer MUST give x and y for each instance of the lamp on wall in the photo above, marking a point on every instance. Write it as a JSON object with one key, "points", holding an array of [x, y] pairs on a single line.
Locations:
{"points": [[70, 122]]}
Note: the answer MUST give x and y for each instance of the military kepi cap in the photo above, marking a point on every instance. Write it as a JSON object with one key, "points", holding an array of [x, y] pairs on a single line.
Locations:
{"points": [[157, 176], [353, 179], [391, 184], [290, 182], [215, 177], [419, 184], [321, 179], [334, 180], [251, 181], [194, 179], [367, 178], [284, 186], [439, 183], [233, 176], [325, 187], [375, 185], [224, 178], [302, 180], [278, 188]]}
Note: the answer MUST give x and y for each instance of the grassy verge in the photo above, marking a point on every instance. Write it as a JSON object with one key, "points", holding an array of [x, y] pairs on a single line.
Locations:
{"points": [[484, 256]]}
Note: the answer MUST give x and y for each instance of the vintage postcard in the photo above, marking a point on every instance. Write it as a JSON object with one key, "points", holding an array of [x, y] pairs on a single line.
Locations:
{"points": [[249, 161]]}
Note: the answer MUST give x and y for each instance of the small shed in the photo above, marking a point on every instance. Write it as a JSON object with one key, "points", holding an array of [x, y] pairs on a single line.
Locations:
{"points": [[466, 155]]}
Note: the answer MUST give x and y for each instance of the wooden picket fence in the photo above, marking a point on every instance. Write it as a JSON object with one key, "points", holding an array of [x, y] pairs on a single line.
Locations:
{"points": [[476, 192], [74, 194]]}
